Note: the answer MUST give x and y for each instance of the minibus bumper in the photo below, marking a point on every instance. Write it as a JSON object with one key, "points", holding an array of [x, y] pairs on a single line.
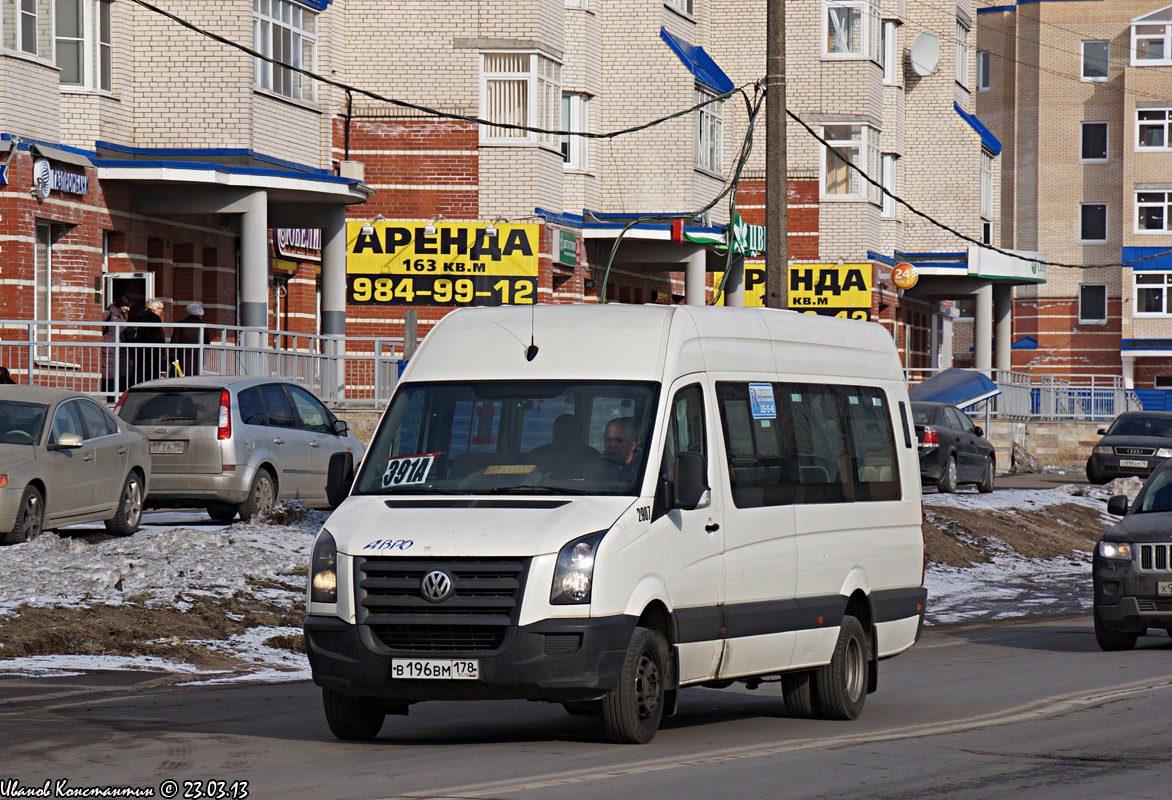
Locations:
{"points": [[562, 660]]}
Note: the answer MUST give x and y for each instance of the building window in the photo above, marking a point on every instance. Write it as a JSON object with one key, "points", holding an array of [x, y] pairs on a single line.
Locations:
{"points": [[1151, 44], [1094, 143], [1152, 293], [520, 89], [286, 32], [1092, 223], [889, 52], [583, 4], [850, 144], [1153, 212], [887, 177], [26, 26], [575, 117], [709, 133], [986, 232], [986, 185], [682, 6], [982, 70], [1095, 60], [1092, 303], [850, 28], [1153, 128], [84, 43], [962, 53]]}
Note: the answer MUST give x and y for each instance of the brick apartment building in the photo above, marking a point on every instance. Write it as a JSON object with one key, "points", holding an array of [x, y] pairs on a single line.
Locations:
{"points": [[1080, 94], [181, 176], [141, 158]]}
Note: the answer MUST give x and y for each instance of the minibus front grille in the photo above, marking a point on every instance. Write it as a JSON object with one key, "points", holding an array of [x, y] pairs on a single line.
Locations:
{"points": [[483, 601]]}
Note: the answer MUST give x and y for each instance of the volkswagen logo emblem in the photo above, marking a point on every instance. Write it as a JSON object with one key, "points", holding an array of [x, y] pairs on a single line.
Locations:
{"points": [[436, 586]]}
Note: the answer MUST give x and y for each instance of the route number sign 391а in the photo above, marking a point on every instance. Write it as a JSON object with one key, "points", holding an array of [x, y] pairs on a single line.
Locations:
{"points": [[460, 264]]}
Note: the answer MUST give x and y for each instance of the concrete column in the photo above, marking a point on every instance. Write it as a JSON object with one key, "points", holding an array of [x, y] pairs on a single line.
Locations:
{"points": [[1128, 372], [333, 272], [734, 284], [983, 329], [695, 276], [333, 299], [254, 264], [1003, 322]]}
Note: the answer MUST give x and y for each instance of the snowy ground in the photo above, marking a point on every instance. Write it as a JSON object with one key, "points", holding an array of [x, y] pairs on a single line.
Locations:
{"points": [[1010, 585], [177, 558]]}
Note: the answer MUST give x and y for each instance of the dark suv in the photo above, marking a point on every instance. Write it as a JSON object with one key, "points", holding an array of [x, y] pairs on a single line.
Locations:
{"points": [[1135, 444], [1132, 570]]}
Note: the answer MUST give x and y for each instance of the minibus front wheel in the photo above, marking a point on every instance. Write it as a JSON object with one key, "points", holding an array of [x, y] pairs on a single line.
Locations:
{"points": [[632, 710]]}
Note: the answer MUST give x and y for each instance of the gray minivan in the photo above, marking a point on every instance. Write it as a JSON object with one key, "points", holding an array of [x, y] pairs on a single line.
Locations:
{"points": [[237, 445]]}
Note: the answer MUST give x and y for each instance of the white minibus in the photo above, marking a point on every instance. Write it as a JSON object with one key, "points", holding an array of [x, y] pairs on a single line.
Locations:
{"points": [[600, 505]]}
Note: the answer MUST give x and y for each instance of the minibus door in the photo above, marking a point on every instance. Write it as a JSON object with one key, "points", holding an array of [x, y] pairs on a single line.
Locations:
{"points": [[693, 537]]}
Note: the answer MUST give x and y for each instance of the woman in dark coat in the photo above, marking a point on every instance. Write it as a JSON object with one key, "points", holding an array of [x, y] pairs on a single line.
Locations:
{"points": [[151, 360], [188, 357], [114, 359]]}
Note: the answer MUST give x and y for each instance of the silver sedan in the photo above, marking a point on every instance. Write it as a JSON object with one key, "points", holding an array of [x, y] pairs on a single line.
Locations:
{"points": [[65, 459]]}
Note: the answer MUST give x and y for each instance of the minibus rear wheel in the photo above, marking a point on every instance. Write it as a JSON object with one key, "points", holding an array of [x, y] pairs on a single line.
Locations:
{"points": [[842, 684], [632, 710], [797, 689], [351, 717]]}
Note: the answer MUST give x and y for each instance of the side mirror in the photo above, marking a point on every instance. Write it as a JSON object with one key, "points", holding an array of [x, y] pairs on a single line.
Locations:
{"points": [[690, 486], [1102, 431], [341, 426], [67, 441], [1117, 505], [978, 430], [339, 478]]}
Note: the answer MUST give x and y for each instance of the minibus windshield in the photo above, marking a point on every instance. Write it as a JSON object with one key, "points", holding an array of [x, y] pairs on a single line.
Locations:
{"points": [[512, 437]]}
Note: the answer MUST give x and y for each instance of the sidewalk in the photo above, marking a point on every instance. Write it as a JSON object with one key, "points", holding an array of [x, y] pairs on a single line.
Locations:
{"points": [[1040, 480]]}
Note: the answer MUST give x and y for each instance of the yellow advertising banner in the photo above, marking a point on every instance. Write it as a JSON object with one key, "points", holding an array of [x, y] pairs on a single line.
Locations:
{"points": [[461, 263], [754, 285], [832, 290]]}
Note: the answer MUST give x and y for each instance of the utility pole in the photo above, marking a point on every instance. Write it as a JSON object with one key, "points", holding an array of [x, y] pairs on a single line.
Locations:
{"points": [[776, 187]]}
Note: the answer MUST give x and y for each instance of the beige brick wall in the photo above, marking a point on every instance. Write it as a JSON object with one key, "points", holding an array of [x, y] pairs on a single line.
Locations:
{"points": [[29, 100]]}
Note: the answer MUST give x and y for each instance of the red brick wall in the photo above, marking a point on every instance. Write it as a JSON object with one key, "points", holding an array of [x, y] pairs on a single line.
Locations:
{"points": [[1066, 347]]}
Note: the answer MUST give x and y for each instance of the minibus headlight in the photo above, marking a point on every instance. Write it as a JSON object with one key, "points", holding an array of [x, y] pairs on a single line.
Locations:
{"points": [[1120, 550], [574, 573], [323, 572]]}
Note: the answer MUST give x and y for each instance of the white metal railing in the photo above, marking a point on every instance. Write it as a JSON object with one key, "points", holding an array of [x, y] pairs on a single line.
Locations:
{"points": [[1048, 397], [345, 371]]}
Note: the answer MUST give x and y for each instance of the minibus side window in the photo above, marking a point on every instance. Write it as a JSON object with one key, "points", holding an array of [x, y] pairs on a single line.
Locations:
{"points": [[685, 428], [760, 451], [876, 468], [822, 448]]}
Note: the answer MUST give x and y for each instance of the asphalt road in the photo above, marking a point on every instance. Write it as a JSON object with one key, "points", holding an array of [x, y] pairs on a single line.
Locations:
{"points": [[1030, 709]]}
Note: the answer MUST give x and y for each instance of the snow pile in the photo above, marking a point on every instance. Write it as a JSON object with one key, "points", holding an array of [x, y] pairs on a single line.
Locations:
{"points": [[159, 565]]}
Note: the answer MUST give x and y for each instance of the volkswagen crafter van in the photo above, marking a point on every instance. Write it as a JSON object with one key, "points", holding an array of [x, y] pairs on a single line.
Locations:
{"points": [[600, 505]]}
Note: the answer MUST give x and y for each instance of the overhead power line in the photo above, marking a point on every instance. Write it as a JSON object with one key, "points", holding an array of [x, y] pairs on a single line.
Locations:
{"points": [[732, 183]]}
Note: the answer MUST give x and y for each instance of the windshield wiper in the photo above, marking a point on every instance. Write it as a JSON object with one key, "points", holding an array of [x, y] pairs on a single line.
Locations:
{"points": [[530, 489]]}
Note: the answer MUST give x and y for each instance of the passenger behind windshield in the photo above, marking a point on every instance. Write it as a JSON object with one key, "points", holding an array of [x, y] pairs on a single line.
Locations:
{"points": [[537, 437]]}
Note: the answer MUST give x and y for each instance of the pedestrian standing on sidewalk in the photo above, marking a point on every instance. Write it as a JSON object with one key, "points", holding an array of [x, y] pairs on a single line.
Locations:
{"points": [[151, 361], [188, 356], [115, 359]]}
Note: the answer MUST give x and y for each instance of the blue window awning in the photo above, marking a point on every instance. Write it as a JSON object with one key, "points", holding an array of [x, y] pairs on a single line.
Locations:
{"points": [[988, 140], [700, 64]]}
